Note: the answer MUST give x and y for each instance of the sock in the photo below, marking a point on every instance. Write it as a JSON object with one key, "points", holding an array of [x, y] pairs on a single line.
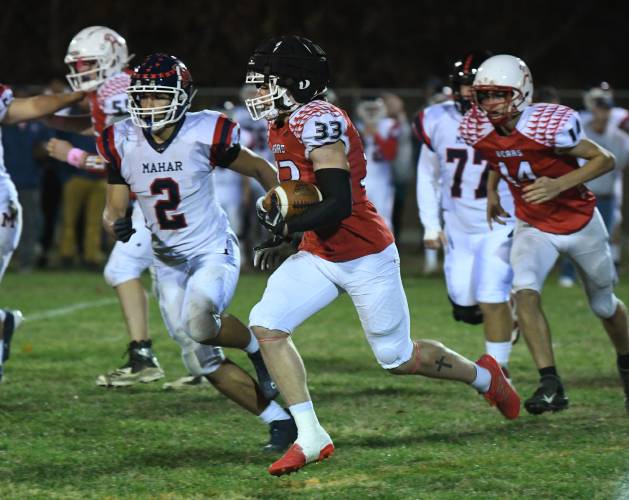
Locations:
{"points": [[3, 315], [305, 418], [623, 361], [1, 350], [431, 256], [273, 412], [483, 379], [253, 345], [500, 351], [549, 370]]}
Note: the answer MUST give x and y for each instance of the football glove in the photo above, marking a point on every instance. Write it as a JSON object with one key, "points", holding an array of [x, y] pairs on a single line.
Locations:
{"points": [[273, 219], [123, 229], [272, 253]]}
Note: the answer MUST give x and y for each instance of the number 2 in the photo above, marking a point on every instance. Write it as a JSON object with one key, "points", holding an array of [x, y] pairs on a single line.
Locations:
{"points": [[166, 221]]}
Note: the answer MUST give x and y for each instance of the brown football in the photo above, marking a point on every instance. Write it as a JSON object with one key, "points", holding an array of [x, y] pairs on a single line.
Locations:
{"points": [[293, 197]]}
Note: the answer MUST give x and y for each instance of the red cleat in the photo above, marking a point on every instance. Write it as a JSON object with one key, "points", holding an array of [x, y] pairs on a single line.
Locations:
{"points": [[295, 459], [501, 393]]}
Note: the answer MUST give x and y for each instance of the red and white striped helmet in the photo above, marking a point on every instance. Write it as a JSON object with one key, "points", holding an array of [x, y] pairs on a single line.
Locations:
{"points": [[94, 54]]}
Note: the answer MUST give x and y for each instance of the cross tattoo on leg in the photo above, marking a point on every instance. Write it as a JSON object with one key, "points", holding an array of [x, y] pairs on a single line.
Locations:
{"points": [[441, 363]]}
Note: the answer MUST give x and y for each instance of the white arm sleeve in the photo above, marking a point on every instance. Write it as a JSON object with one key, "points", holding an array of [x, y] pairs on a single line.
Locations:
{"points": [[428, 193]]}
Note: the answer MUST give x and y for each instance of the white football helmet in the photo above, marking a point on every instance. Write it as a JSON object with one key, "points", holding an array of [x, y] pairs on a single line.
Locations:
{"points": [[600, 96], [505, 73], [95, 54]]}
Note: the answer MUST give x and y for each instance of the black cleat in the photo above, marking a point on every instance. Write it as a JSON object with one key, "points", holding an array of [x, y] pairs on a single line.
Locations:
{"points": [[142, 367], [549, 396], [624, 377], [12, 320], [283, 433], [269, 389]]}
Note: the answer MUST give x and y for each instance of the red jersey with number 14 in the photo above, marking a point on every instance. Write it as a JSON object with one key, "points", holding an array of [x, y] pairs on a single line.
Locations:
{"points": [[311, 126], [528, 153]]}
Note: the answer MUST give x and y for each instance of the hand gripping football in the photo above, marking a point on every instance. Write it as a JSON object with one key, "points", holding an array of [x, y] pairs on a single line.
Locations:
{"points": [[292, 197]]}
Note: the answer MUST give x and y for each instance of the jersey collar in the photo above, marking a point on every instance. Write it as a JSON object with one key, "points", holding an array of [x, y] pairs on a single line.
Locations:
{"points": [[161, 147]]}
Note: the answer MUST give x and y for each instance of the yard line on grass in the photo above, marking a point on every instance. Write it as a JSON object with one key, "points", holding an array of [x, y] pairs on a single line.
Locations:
{"points": [[62, 311], [623, 488]]}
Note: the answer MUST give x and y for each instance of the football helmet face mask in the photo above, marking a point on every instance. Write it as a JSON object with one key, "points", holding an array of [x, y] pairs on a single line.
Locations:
{"points": [[463, 72], [288, 71], [499, 76], [164, 78], [95, 54]]}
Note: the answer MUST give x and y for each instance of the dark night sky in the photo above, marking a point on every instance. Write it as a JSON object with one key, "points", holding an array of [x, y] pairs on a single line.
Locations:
{"points": [[370, 44]]}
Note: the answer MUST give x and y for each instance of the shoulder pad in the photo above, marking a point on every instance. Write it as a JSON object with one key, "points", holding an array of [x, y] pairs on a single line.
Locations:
{"points": [[475, 126]]}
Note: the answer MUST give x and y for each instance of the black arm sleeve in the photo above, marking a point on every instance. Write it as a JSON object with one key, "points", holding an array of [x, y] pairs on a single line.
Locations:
{"points": [[336, 190]]}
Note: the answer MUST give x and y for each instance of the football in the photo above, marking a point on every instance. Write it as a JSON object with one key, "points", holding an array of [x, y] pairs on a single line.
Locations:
{"points": [[293, 197]]}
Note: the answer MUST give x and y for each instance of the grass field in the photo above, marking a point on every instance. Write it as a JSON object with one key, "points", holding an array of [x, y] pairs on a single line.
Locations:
{"points": [[61, 436]]}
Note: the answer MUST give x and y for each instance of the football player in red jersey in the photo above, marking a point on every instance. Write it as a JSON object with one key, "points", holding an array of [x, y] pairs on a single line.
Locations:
{"points": [[536, 148], [346, 247]]}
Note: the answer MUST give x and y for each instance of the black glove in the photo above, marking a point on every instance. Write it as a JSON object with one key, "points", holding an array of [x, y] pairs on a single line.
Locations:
{"points": [[273, 219], [123, 229], [272, 253]]}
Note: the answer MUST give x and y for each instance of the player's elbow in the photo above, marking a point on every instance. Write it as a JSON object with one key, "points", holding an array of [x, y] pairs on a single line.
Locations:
{"points": [[609, 160]]}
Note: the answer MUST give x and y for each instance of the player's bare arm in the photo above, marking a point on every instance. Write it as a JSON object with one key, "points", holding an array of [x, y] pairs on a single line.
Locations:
{"points": [[253, 165], [599, 162], [115, 221], [495, 212], [428, 198], [73, 124], [31, 108]]}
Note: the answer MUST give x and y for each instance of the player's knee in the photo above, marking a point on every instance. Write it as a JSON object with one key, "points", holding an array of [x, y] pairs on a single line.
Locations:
{"points": [[263, 334], [467, 314], [604, 304], [527, 298], [203, 326]]}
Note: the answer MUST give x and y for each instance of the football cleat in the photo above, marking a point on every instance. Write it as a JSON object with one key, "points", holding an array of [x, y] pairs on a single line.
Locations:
{"points": [[549, 396], [295, 458], [12, 321], [624, 377], [282, 433], [142, 367], [189, 382], [269, 388], [501, 393]]}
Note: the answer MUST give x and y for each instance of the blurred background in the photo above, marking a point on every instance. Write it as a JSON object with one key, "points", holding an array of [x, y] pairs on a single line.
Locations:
{"points": [[399, 53]]}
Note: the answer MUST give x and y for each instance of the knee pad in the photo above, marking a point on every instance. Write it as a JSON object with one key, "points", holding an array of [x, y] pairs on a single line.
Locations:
{"points": [[603, 303], [200, 359], [202, 324], [471, 315]]}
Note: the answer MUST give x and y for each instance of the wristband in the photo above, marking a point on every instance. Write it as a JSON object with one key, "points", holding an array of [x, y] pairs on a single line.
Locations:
{"points": [[75, 157], [431, 234]]}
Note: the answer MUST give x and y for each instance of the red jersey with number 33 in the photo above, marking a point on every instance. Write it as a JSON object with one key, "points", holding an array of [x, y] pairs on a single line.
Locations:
{"points": [[317, 124], [528, 153]]}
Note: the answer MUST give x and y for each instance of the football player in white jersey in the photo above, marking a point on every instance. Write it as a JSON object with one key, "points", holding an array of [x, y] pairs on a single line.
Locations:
{"points": [[602, 96], [15, 110], [379, 134], [97, 57], [451, 181], [166, 156]]}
